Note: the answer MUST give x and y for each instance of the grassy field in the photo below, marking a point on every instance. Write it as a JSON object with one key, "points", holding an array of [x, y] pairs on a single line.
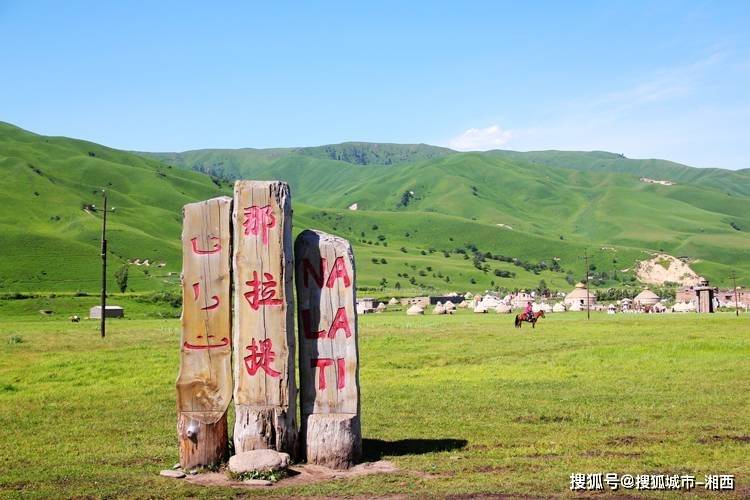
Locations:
{"points": [[462, 404]]}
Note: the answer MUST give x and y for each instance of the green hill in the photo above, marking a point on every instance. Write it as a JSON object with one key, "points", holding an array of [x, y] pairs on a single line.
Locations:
{"points": [[565, 199], [51, 243], [426, 217]]}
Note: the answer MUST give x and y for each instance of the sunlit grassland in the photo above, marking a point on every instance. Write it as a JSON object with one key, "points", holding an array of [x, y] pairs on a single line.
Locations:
{"points": [[461, 404]]}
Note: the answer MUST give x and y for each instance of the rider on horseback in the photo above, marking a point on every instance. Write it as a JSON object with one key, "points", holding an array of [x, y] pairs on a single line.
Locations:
{"points": [[529, 311]]}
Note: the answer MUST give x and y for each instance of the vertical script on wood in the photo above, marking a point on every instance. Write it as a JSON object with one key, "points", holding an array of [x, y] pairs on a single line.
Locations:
{"points": [[264, 391], [204, 384], [329, 357]]}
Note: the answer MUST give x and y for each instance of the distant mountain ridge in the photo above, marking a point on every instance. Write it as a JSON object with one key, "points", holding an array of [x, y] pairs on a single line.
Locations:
{"points": [[426, 217]]}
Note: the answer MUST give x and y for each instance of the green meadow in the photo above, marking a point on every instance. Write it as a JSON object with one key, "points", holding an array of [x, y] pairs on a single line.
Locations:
{"points": [[462, 404]]}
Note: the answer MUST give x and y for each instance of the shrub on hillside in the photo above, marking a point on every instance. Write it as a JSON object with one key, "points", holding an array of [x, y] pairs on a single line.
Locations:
{"points": [[172, 299]]}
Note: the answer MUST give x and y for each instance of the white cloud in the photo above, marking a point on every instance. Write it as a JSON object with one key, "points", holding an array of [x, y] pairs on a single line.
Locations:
{"points": [[480, 139]]}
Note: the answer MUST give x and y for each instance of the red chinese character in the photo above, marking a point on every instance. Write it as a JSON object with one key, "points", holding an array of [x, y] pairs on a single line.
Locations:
{"points": [[261, 357], [322, 364], [262, 294], [258, 220]]}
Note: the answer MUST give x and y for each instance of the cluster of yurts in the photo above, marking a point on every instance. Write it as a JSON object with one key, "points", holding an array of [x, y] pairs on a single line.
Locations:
{"points": [[576, 300]]}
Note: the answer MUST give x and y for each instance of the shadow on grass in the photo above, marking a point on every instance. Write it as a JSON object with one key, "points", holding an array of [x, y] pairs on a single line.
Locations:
{"points": [[375, 449]]}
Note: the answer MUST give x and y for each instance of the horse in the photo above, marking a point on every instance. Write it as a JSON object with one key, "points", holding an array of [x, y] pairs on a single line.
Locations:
{"points": [[521, 317]]}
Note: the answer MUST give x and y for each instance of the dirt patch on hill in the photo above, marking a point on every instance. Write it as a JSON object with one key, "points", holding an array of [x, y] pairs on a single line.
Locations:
{"points": [[664, 267]]}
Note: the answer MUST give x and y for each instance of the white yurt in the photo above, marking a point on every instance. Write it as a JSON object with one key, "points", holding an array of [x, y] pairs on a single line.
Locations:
{"points": [[449, 306], [381, 307], [646, 298], [393, 301], [490, 302], [579, 296], [559, 308], [439, 309], [480, 309], [683, 307], [463, 304], [542, 307], [503, 309], [414, 310], [659, 307]]}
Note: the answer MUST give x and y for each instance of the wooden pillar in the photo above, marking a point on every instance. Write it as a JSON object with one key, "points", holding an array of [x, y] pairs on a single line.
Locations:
{"points": [[204, 384], [264, 385], [328, 350]]}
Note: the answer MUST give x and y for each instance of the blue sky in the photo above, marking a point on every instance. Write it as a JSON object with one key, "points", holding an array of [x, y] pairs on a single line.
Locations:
{"points": [[664, 79]]}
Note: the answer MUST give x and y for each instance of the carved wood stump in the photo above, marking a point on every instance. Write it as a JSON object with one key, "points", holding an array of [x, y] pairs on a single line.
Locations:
{"points": [[204, 383], [202, 444], [333, 440], [264, 340], [328, 349]]}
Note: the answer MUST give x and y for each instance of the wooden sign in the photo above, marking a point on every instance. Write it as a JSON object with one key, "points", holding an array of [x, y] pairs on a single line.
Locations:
{"points": [[328, 350], [264, 386], [204, 384]]}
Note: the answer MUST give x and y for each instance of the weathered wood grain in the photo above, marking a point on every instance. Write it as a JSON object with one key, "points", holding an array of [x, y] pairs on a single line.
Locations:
{"points": [[204, 383], [264, 390], [328, 349], [202, 444]]}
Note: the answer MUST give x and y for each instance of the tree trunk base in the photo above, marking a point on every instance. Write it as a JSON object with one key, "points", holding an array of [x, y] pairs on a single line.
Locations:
{"points": [[201, 445], [333, 440], [264, 427]]}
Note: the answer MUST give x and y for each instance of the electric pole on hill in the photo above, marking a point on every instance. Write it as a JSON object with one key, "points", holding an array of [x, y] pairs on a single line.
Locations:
{"points": [[103, 311], [588, 294], [733, 277]]}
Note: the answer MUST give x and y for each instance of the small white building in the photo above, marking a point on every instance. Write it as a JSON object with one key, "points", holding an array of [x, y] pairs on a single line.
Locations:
{"points": [[110, 312], [365, 305]]}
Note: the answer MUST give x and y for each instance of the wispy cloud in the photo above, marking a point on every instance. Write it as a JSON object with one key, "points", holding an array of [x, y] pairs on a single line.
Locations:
{"points": [[676, 113], [480, 139]]}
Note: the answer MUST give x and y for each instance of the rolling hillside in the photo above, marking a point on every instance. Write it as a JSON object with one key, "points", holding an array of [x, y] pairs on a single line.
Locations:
{"points": [[426, 217], [564, 199], [49, 242]]}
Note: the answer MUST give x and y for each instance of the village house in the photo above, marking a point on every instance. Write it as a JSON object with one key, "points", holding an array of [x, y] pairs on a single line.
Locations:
{"points": [[365, 305], [726, 298]]}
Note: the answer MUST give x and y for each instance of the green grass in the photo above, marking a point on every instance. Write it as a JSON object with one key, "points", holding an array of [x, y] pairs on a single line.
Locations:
{"points": [[462, 404], [591, 200]]}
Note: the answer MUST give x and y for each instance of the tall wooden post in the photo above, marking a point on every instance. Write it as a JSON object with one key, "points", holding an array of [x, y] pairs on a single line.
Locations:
{"points": [[102, 324], [328, 349], [264, 385], [204, 384]]}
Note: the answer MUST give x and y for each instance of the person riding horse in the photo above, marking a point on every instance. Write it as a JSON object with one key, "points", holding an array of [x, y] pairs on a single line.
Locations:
{"points": [[529, 311]]}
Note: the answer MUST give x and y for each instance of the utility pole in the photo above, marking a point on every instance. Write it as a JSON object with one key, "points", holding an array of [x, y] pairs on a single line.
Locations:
{"points": [[103, 311], [588, 293], [733, 277]]}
